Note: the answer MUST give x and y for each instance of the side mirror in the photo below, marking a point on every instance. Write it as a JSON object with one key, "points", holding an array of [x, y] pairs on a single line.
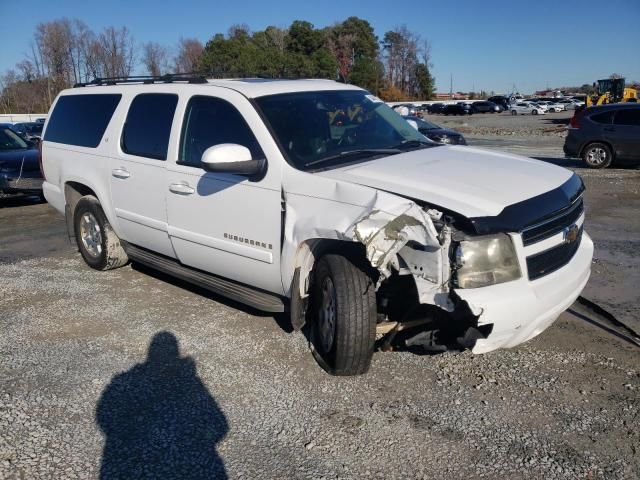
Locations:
{"points": [[232, 158]]}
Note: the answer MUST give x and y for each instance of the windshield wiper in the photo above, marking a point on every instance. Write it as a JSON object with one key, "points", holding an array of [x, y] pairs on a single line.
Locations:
{"points": [[355, 153], [415, 144]]}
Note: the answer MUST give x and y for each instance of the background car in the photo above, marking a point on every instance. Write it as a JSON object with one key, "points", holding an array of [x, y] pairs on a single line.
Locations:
{"points": [[19, 164], [457, 109], [551, 105], [526, 108], [486, 107], [435, 108], [500, 100], [437, 133], [603, 134], [29, 130]]}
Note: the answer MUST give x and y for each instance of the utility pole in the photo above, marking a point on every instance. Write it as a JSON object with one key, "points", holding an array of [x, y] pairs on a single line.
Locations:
{"points": [[451, 87]]}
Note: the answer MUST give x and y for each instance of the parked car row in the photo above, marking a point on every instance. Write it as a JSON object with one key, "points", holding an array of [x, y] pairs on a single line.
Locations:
{"points": [[19, 164]]}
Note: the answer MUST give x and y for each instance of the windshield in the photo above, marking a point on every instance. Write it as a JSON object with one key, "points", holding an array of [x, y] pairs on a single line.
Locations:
{"points": [[9, 140], [334, 127]]}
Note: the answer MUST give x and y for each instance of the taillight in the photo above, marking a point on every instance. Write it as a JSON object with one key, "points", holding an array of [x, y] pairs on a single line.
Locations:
{"points": [[575, 120], [40, 159]]}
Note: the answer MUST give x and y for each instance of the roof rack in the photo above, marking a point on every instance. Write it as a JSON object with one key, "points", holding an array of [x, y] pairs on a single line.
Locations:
{"points": [[146, 79]]}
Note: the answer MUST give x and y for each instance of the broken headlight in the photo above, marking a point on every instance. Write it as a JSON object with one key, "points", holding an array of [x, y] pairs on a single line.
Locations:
{"points": [[486, 261]]}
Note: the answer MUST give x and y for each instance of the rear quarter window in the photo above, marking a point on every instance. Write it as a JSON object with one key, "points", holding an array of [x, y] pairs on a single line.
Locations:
{"points": [[81, 119]]}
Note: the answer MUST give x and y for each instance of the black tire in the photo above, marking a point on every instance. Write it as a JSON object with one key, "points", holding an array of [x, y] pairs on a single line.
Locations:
{"points": [[597, 155], [514, 112], [534, 112], [354, 317], [100, 248]]}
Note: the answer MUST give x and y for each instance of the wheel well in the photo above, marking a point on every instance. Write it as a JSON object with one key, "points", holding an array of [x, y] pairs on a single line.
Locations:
{"points": [[74, 191], [313, 249], [586, 145]]}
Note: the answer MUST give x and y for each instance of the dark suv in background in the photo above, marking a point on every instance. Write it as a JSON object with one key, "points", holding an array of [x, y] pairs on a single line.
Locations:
{"points": [[605, 133]]}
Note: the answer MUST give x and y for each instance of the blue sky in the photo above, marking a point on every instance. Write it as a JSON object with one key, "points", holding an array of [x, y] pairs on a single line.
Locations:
{"points": [[488, 45]]}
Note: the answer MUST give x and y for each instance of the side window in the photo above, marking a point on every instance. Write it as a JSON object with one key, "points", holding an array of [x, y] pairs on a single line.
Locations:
{"points": [[628, 116], [81, 119], [211, 121], [148, 126], [604, 117]]}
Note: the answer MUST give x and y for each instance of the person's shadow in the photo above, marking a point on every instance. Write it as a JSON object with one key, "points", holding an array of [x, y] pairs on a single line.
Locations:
{"points": [[159, 419]]}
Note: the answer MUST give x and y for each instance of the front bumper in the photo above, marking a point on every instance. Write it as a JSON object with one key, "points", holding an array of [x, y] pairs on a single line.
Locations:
{"points": [[522, 309]]}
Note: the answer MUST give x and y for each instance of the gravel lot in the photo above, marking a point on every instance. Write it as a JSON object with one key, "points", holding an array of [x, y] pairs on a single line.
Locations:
{"points": [[92, 382]]}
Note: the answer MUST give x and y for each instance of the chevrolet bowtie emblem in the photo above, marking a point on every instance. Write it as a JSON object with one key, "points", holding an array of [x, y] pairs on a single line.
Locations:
{"points": [[571, 233]]}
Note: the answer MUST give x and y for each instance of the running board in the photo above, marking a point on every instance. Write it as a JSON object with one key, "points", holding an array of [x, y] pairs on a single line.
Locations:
{"points": [[258, 299]]}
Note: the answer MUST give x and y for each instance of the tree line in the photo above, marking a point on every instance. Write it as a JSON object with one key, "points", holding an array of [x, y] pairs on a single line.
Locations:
{"points": [[65, 52]]}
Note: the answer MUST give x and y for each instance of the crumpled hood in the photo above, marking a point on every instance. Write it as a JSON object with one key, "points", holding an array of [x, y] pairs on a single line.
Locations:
{"points": [[470, 181], [12, 160]]}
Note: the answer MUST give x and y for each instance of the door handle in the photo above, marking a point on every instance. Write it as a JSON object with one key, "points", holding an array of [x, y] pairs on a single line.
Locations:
{"points": [[120, 173], [181, 188]]}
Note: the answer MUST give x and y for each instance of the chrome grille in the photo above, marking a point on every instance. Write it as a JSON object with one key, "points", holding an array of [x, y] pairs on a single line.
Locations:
{"points": [[554, 225], [549, 261]]}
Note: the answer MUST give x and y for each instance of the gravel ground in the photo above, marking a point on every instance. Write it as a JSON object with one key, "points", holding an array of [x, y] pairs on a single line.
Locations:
{"points": [[129, 374]]}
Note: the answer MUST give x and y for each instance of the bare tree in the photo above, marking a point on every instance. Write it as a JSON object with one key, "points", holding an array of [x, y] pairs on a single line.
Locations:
{"points": [[340, 44], [189, 53], [115, 52], [155, 58]]}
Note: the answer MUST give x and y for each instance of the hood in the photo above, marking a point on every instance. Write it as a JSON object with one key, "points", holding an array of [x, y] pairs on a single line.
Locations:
{"points": [[12, 159], [470, 181]]}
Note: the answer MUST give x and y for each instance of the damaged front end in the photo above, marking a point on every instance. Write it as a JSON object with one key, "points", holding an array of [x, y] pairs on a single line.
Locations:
{"points": [[412, 248]]}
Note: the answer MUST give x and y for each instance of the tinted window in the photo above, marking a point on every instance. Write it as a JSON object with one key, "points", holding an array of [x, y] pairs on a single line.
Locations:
{"points": [[604, 117], [81, 119], [630, 116], [211, 121], [148, 126]]}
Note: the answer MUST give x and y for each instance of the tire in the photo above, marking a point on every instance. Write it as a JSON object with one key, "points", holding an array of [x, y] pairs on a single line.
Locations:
{"points": [[597, 155], [514, 112], [534, 112], [99, 245], [344, 316]]}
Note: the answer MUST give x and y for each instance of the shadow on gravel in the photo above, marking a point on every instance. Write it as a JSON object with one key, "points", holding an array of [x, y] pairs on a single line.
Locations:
{"points": [[20, 201], [578, 163], [557, 121], [281, 319], [159, 419]]}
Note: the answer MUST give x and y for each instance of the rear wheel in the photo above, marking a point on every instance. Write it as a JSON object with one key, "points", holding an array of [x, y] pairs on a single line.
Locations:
{"points": [[534, 112], [99, 245], [344, 307], [513, 112], [597, 155]]}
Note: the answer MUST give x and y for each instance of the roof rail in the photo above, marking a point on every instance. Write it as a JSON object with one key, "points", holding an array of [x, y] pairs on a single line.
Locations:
{"points": [[146, 79]]}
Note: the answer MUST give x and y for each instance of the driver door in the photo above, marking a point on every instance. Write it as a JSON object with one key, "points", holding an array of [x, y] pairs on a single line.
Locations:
{"points": [[222, 223]]}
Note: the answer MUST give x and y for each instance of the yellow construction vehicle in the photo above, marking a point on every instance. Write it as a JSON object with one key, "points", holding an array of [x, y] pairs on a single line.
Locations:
{"points": [[612, 90]]}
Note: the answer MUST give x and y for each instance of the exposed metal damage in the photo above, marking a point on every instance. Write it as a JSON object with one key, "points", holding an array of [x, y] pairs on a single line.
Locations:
{"points": [[402, 240]]}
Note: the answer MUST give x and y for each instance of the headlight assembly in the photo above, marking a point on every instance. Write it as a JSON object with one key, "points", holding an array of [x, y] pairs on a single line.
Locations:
{"points": [[486, 261]]}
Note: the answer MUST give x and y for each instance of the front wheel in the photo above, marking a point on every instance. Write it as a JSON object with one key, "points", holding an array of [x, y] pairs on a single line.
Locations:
{"points": [[98, 243], [344, 310], [597, 155], [534, 112]]}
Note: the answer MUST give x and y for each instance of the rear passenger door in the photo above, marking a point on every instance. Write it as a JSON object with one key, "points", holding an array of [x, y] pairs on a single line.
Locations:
{"points": [[223, 223], [625, 134], [138, 173]]}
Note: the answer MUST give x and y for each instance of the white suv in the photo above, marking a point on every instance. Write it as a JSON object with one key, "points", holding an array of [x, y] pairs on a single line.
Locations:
{"points": [[315, 198]]}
